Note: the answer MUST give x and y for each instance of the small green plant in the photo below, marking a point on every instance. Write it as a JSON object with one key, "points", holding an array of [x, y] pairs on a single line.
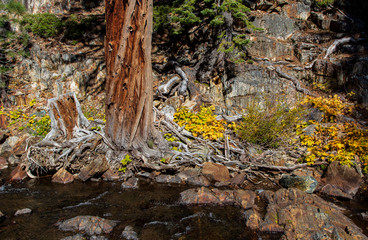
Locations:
{"points": [[92, 111], [76, 28], [15, 7], [271, 124], [36, 124], [42, 126], [322, 3], [124, 163], [169, 137], [43, 24]]}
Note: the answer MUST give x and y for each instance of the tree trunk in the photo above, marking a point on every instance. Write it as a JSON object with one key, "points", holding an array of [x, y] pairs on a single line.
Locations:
{"points": [[129, 96]]}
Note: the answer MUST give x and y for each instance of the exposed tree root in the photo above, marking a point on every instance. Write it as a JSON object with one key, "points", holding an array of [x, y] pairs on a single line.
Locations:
{"points": [[74, 146], [295, 81], [174, 84]]}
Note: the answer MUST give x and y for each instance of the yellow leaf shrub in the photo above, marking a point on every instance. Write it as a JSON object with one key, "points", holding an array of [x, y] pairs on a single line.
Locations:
{"points": [[330, 106], [203, 123], [334, 141], [38, 125]]}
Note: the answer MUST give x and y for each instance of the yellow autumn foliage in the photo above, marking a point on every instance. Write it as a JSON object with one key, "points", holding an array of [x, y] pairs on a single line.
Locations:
{"points": [[333, 141], [203, 123], [331, 106]]}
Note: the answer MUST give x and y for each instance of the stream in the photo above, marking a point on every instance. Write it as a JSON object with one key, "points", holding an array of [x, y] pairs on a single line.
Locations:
{"points": [[153, 210]]}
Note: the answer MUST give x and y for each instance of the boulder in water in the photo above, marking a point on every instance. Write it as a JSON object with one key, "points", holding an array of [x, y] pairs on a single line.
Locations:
{"points": [[215, 171], [299, 215], [19, 173], [91, 225], [130, 183], [62, 176], [129, 233]]}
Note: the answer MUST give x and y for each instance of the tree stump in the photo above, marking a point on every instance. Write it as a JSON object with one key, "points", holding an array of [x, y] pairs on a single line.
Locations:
{"points": [[66, 116]]}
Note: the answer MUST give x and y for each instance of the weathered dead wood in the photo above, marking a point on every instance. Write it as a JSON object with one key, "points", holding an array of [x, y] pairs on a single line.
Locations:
{"points": [[336, 43], [183, 87], [176, 132], [282, 168], [232, 118], [295, 81], [167, 87], [66, 116]]}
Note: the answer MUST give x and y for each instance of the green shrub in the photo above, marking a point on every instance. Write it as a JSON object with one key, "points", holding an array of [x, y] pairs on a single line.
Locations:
{"points": [[161, 19], [271, 124], [322, 3], [43, 24], [15, 7], [180, 15], [75, 28]]}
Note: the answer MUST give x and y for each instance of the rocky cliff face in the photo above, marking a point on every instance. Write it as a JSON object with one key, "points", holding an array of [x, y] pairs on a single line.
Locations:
{"points": [[318, 46], [59, 6], [302, 48]]}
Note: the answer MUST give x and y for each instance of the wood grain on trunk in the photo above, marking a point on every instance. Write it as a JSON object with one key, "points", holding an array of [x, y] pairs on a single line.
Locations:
{"points": [[129, 72]]}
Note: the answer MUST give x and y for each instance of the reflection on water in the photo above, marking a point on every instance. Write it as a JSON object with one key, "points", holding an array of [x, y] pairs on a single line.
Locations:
{"points": [[153, 210]]}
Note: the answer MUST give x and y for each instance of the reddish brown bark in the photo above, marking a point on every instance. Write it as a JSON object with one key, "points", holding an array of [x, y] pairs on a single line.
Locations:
{"points": [[129, 94], [66, 115]]}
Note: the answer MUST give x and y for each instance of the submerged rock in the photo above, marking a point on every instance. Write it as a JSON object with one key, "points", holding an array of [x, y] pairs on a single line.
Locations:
{"points": [[130, 183], [305, 183], [243, 198], [198, 196], [62, 176], [110, 175], [81, 237], [168, 179], [344, 178], [129, 233], [74, 237], [215, 171], [91, 225], [23, 211]]}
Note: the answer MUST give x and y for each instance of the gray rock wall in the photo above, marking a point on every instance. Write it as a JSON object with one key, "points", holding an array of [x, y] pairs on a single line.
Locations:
{"points": [[57, 73]]}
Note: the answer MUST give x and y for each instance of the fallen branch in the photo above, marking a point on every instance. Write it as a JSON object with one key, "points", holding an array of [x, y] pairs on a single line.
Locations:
{"points": [[167, 87], [184, 84], [336, 43], [283, 168], [295, 81]]}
